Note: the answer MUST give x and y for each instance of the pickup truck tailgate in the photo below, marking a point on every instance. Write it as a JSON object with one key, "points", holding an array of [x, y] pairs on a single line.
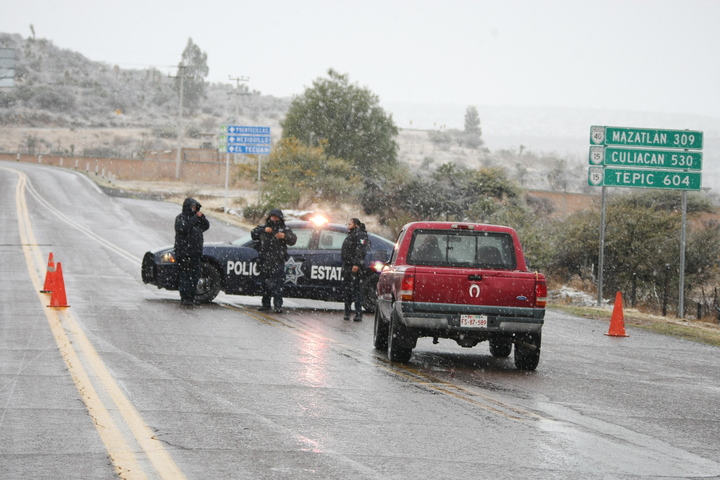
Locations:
{"points": [[472, 286]]}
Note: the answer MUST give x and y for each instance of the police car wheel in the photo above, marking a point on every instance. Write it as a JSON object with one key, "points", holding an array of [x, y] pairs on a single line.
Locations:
{"points": [[369, 293], [209, 283]]}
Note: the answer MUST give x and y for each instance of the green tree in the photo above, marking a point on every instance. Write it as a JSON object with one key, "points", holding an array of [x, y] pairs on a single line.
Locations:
{"points": [[193, 67], [557, 177], [349, 118], [472, 121], [642, 237], [452, 192], [298, 175], [472, 137], [493, 182]]}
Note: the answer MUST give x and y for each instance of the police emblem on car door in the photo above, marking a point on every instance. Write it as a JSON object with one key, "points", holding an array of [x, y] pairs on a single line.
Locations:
{"points": [[296, 268]]}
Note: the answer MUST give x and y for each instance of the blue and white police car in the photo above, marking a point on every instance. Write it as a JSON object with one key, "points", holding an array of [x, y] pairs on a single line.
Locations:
{"points": [[313, 269]]}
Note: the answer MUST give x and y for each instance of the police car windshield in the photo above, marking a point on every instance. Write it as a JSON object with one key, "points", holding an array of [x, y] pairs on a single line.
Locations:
{"points": [[242, 241]]}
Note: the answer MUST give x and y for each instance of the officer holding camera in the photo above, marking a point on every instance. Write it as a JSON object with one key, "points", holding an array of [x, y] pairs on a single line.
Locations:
{"points": [[189, 228], [274, 239]]}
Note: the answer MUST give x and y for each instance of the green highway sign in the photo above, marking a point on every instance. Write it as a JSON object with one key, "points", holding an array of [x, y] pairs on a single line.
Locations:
{"points": [[645, 158], [640, 178], [646, 137]]}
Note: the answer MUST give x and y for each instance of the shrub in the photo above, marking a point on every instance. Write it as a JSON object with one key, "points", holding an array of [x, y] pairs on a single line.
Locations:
{"points": [[255, 212]]}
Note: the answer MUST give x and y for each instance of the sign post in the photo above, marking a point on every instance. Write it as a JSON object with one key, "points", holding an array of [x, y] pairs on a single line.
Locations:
{"points": [[645, 158], [243, 139], [601, 254], [227, 176]]}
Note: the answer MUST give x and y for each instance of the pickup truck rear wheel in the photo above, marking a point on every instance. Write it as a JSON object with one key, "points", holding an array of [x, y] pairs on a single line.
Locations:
{"points": [[527, 351], [380, 332], [370, 294], [209, 284], [397, 341], [500, 347]]}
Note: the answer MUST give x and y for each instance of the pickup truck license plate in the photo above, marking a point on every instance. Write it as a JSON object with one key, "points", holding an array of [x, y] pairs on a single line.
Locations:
{"points": [[473, 321]]}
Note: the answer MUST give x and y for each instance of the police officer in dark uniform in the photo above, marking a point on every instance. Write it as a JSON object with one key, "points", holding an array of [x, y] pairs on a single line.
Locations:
{"points": [[274, 239], [189, 228], [353, 258]]}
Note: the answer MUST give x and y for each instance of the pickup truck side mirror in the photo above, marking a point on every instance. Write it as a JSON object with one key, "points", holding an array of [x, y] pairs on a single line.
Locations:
{"points": [[380, 256]]}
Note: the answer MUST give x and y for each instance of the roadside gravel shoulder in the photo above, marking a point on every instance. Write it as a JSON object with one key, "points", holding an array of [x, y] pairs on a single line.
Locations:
{"points": [[211, 197], [704, 330]]}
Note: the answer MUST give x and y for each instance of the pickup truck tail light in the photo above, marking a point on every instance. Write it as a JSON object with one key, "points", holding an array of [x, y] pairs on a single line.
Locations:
{"points": [[540, 294], [407, 288]]}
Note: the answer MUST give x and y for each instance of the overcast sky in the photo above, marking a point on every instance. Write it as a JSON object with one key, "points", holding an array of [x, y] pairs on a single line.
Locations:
{"points": [[650, 56]]}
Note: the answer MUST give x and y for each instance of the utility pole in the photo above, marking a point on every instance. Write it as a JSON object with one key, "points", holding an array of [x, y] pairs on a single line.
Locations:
{"points": [[182, 78], [237, 93]]}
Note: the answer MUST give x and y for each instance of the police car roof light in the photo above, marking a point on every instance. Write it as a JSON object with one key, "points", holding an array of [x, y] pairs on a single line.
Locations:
{"points": [[319, 220]]}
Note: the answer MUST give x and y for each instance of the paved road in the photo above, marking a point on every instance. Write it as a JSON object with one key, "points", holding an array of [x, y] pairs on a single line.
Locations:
{"points": [[124, 383]]}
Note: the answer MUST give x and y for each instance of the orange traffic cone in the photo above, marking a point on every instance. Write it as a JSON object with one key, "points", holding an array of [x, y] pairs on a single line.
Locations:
{"points": [[58, 298], [49, 276], [617, 321]]}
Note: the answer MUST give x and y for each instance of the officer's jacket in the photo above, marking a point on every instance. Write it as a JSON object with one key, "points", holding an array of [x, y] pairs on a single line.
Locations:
{"points": [[354, 248], [189, 230], [273, 251]]}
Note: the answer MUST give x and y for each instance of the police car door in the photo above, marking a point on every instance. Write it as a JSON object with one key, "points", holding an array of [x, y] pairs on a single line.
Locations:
{"points": [[297, 271], [326, 265]]}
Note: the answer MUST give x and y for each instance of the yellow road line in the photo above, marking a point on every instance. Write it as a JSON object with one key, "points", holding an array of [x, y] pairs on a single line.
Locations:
{"points": [[61, 216], [122, 456], [154, 449]]}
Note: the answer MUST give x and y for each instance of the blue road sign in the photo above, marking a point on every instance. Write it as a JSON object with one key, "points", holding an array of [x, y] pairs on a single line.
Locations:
{"points": [[243, 130], [250, 149], [244, 140]]}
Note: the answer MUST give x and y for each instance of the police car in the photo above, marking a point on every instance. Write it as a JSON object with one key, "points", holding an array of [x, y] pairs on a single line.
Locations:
{"points": [[313, 269]]}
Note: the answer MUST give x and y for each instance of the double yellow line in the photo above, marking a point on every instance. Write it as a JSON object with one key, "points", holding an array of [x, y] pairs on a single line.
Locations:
{"points": [[131, 444]]}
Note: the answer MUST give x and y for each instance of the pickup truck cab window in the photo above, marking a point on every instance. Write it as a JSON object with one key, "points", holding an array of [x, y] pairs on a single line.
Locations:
{"points": [[474, 249]]}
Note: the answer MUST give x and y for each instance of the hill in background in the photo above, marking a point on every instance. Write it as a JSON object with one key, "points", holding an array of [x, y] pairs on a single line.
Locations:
{"points": [[64, 103]]}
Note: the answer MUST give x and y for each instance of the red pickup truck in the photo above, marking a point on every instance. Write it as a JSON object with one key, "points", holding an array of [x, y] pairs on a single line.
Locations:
{"points": [[462, 281]]}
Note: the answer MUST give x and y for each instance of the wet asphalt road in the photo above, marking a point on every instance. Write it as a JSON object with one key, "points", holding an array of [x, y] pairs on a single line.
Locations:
{"points": [[126, 384]]}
